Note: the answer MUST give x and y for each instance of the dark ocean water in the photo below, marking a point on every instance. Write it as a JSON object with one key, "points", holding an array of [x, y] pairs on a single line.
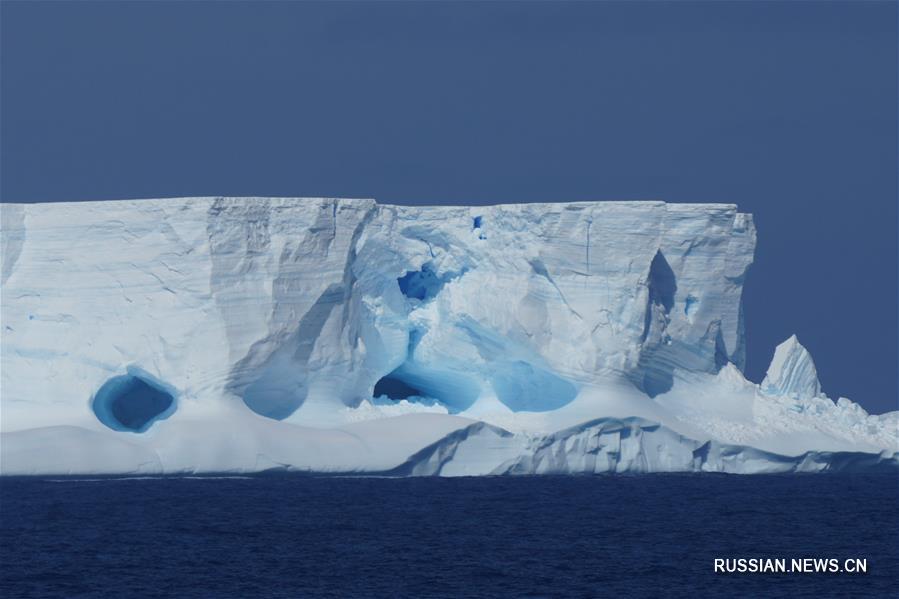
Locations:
{"points": [[299, 536]]}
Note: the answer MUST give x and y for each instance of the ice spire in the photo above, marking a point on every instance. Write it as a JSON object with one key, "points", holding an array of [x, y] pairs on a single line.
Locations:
{"points": [[792, 372]]}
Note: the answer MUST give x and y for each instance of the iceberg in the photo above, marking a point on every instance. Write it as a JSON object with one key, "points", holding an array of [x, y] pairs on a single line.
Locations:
{"points": [[213, 335], [792, 372]]}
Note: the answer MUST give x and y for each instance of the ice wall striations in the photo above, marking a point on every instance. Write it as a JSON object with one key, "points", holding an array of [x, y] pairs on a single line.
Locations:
{"points": [[284, 301], [129, 320]]}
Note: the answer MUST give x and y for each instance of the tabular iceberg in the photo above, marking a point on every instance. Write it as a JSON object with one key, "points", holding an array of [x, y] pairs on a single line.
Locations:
{"points": [[327, 335]]}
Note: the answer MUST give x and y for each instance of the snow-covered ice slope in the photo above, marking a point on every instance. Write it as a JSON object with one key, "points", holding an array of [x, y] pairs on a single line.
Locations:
{"points": [[244, 334]]}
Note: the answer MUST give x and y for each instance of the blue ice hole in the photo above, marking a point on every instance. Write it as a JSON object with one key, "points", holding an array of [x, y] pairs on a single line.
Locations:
{"points": [[691, 305], [421, 284], [132, 402]]}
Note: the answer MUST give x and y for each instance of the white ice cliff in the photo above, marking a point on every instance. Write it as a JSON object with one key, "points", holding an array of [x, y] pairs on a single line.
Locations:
{"points": [[249, 334]]}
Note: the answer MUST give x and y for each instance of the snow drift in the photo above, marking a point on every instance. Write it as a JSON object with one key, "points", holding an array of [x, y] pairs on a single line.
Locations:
{"points": [[245, 334]]}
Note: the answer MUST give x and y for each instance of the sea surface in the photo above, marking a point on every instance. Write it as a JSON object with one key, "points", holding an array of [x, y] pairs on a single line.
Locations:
{"points": [[305, 536]]}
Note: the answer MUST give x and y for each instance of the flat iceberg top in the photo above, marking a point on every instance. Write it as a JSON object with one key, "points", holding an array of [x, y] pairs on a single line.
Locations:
{"points": [[242, 334], [305, 200]]}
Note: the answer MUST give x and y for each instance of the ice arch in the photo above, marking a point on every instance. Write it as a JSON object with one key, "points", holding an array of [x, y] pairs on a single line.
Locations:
{"points": [[455, 390], [132, 402]]}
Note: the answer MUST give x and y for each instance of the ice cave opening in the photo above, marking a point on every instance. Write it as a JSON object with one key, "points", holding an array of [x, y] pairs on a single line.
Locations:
{"points": [[655, 372], [422, 284], [662, 282], [132, 403], [455, 390], [396, 389]]}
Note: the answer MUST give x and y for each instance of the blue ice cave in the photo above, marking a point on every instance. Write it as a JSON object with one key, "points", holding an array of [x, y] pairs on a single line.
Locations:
{"points": [[422, 284], [132, 403]]}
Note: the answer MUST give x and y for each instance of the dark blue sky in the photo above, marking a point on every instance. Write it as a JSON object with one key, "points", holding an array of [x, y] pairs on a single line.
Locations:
{"points": [[787, 109]]}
